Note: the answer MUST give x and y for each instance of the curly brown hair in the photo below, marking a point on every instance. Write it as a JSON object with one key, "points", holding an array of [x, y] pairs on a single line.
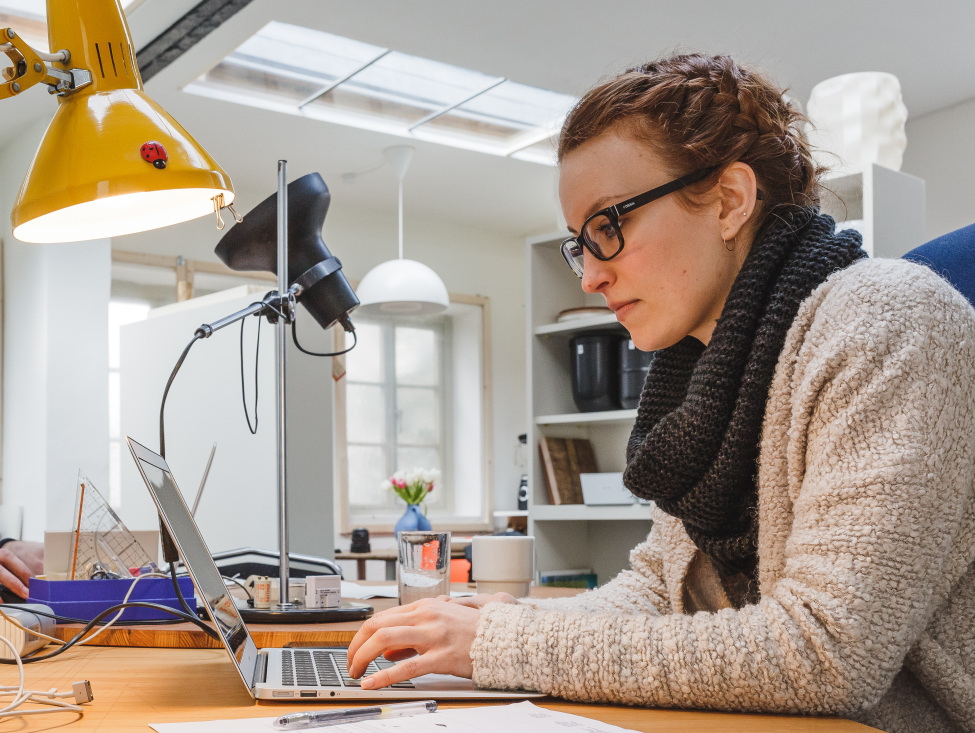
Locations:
{"points": [[698, 111]]}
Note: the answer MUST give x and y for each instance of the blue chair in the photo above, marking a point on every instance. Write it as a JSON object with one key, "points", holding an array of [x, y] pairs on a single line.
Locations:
{"points": [[953, 257]]}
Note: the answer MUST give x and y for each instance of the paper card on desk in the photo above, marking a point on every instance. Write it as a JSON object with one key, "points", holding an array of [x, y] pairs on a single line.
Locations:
{"points": [[364, 592], [519, 717]]}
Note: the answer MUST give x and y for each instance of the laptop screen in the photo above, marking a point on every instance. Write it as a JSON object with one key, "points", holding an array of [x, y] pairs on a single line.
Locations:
{"points": [[197, 559]]}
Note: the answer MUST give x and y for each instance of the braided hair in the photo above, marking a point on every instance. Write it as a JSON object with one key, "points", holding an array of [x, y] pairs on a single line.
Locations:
{"points": [[699, 111]]}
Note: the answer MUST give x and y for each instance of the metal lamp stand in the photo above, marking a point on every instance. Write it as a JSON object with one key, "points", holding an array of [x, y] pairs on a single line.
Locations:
{"points": [[281, 309]]}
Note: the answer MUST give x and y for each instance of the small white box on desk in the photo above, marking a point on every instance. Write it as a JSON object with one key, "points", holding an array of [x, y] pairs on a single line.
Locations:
{"points": [[605, 488], [323, 591]]}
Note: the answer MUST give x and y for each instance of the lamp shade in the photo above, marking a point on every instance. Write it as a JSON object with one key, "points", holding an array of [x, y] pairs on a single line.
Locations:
{"points": [[400, 287], [112, 161], [252, 245]]}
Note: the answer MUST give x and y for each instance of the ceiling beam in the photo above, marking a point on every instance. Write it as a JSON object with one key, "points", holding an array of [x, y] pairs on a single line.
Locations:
{"points": [[185, 33]]}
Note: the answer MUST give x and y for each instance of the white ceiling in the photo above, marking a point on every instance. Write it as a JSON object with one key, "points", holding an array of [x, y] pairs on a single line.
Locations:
{"points": [[564, 45]]}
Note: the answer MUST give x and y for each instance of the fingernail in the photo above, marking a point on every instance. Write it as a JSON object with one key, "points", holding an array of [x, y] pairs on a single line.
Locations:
{"points": [[368, 683]]}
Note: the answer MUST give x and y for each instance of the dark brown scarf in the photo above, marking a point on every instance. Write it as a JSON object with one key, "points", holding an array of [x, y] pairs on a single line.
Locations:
{"points": [[694, 446]]}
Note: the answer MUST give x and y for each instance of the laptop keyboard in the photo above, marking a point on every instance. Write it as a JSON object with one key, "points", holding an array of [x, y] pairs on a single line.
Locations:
{"points": [[325, 668]]}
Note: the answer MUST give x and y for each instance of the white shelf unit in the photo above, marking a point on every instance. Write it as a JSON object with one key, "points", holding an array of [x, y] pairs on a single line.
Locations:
{"points": [[571, 536], [889, 203]]}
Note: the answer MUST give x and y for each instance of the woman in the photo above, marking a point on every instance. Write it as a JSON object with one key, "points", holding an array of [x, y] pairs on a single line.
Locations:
{"points": [[806, 431]]}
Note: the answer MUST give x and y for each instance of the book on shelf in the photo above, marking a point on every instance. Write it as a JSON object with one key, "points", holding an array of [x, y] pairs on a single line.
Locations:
{"points": [[575, 578], [563, 459]]}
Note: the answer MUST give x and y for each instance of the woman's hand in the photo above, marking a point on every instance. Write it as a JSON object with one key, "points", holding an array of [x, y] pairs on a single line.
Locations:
{"points": [[430, 635]]}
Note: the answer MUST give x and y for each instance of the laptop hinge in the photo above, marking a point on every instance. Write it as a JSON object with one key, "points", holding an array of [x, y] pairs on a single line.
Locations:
{"points": [[260, 669]]}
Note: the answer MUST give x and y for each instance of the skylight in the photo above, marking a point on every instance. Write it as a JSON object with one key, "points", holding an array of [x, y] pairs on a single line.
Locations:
{"points": [[311, 73]]}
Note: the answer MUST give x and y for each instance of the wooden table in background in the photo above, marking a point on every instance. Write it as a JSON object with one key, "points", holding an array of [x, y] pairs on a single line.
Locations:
{"points": [[135, 687]]}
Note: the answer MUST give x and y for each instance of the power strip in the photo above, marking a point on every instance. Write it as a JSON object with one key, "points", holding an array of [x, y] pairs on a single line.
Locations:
{"points": [[23, 642]]}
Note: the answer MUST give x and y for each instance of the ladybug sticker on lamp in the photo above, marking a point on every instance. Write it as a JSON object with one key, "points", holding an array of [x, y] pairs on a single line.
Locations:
{"points": [[154, 152]]}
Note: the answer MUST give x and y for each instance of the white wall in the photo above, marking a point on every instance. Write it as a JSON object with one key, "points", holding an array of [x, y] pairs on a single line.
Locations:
{"points": [[941, 150], [470, 261], [55, 406], [55, 363]]}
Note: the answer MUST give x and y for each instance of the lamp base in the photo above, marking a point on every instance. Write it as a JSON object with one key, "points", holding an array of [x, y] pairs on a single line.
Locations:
{"points": [[298, 614]]}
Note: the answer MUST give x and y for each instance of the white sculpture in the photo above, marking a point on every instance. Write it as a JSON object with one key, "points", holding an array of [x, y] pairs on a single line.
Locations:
{"points": [[857, 119]]}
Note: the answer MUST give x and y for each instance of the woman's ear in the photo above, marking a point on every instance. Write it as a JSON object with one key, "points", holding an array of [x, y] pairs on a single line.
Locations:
{"points": [[738, 191]]}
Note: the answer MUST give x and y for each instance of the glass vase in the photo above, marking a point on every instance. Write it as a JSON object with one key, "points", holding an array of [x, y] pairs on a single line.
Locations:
{"points": [[413, 520]]}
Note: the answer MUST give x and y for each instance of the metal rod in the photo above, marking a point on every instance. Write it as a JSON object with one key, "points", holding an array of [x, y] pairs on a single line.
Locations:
{"points": [[203, 481], [280, 364]]}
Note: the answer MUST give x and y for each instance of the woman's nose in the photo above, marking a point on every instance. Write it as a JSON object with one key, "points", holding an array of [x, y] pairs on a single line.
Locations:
{"points": [[596, 274]]}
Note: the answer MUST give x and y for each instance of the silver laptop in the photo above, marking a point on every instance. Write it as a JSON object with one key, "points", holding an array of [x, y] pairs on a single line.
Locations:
{"points": [[278, 674]]}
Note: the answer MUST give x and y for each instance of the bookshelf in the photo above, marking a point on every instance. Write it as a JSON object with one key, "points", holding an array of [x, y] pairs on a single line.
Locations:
{"points": [[571, 536]]}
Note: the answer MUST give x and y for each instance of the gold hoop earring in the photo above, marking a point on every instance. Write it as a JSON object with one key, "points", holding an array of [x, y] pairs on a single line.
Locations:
{"points": [[733, 246]]}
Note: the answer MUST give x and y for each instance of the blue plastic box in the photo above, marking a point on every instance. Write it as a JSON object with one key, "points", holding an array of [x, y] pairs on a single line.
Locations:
{"points": [[85, 599]]}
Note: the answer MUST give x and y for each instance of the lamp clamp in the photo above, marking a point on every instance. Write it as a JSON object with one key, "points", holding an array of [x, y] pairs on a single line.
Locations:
{"points": [[32, 67]]}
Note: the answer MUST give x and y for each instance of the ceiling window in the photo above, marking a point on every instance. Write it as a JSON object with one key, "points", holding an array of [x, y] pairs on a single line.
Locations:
{"points": [[311, 73]]}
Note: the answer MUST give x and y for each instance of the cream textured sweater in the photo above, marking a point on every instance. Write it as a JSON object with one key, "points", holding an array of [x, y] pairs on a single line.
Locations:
{"points": [[866, 540]]}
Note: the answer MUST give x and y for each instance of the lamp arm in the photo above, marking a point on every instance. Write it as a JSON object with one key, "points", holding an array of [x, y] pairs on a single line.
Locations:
{"points": [[272, 306], [32, 67]]}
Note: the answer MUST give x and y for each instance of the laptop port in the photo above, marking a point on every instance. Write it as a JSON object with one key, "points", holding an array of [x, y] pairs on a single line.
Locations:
{"points": [[308, 693]]}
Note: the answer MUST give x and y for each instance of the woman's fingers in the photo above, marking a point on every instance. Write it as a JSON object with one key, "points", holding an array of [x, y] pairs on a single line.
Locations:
{"points": [[398, 655], [440, 634]]}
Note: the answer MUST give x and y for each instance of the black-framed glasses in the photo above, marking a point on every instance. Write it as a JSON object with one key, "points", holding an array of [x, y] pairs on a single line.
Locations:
{"points": [[601, 234]]}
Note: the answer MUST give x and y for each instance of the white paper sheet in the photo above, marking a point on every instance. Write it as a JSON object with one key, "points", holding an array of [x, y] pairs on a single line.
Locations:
{"points": [[519, 717]]}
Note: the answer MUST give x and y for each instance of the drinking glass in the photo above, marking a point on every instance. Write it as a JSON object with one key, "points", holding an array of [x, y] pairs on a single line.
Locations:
{"points": [[424, 565]]}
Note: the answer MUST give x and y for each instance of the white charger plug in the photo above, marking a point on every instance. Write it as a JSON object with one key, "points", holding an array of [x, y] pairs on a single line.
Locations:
{"points": [[23, 641]]}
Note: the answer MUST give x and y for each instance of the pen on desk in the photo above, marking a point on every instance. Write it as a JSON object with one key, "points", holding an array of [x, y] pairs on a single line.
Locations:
{"points": [[320, 718]]}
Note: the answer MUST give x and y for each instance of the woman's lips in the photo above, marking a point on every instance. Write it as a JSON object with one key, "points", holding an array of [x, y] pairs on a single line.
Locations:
{"points": [[622, 309]]}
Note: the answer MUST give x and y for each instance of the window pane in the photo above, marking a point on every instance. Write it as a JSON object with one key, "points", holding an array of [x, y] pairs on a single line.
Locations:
{"points": [[417, 356], [403, 88], [502, 114], [365, 413], [367, 469], [289, 63], [365, 362], [418, 412]]}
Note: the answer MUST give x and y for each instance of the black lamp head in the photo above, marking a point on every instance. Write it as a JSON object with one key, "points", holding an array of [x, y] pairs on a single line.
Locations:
{"points": [[252, 245]]}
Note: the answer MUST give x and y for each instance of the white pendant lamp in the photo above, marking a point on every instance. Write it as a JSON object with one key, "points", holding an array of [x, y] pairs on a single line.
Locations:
{"points": [[401, 287]]}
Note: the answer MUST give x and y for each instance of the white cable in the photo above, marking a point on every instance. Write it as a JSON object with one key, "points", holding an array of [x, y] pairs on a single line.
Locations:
{"points": [[41, 697], [55, 640], [15, 622], [124, 600]]}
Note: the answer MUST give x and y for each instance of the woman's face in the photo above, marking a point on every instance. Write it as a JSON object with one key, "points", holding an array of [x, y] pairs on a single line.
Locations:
{"points": [[674, 273]]}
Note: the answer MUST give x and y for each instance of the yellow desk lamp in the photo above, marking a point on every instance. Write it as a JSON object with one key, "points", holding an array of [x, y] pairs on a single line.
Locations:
{"points": [[112, 161]]}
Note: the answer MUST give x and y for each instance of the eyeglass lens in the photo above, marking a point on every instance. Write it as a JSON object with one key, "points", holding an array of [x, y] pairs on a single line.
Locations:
{"points": [[603, 236], [572, 254]]}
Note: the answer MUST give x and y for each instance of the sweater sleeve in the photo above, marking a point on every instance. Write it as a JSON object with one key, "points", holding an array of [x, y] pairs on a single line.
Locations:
{"points": [[639, 589], [878, 398]]}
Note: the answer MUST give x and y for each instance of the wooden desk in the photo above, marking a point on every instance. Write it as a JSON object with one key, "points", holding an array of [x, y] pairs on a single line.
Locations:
{"points": [[135, 687]]}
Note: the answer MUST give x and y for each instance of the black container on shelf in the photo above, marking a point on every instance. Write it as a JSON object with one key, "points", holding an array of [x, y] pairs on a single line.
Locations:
{"points": [[595, 370], [634, 365]]}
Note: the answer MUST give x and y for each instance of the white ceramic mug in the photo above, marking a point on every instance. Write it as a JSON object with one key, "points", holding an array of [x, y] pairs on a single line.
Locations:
{"points": [[503, 564]]}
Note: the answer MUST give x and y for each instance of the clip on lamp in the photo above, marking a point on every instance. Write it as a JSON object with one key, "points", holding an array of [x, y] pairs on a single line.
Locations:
{"points": [[112, 161]]}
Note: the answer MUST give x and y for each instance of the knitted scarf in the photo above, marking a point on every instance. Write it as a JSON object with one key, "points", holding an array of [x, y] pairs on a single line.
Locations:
{"points": [[694, 446]]}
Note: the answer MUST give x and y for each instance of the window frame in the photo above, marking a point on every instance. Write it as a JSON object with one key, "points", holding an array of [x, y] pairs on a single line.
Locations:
{"points": [[484, 522]]}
